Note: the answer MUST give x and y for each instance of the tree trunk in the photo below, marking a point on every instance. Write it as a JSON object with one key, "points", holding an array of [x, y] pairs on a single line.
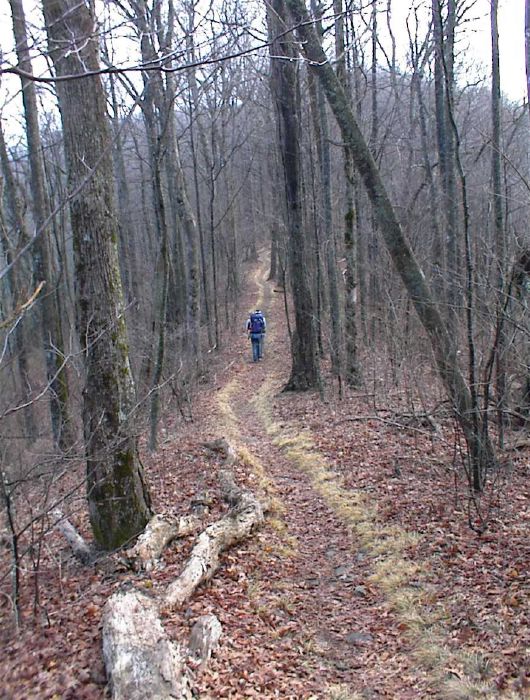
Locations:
{"points": [[21, 340], [195, 126], [128, 263], [141, 661], [117, 494], [185, 219], [437, 252], [50, 315], [443, 345], [320, 119], [161, 302], [527, 49], [305, 372], [374, 290], [498, 220], [444, 89], [352, 367]]}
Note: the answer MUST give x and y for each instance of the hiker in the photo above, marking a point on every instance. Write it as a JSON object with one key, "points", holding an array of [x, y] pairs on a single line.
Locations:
{"points": [[256, 328]]}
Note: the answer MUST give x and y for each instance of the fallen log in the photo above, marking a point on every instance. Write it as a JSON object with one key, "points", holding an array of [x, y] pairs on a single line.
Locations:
{"points": [[204, 639], [80, 549], [204, 559], [222, 447], [160, 531], [141, 662]]}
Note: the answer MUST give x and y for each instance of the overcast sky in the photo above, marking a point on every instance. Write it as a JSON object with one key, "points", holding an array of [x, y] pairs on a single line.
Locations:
{"points": [[476, 40], [511, 43], [475, 45]]}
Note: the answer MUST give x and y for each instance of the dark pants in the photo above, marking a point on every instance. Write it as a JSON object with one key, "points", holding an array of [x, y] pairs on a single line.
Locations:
{"points": [[256, 341]]}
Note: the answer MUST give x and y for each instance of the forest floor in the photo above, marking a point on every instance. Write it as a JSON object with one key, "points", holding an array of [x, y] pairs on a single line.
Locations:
{"points": [[365, 581]]}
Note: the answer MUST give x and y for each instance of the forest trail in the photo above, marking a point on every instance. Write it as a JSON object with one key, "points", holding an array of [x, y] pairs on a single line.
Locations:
{"points": [[364, 583], [323, 625]]}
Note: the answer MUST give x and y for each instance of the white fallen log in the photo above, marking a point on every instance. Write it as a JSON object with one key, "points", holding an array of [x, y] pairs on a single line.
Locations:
{"points": [[204, 558], [204, 639], [229, 489], [80, 549], [159, 532], [141, 662]]}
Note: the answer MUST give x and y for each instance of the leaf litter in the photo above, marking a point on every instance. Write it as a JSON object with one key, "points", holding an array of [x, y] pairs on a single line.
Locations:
{"points": [[365, 582]]}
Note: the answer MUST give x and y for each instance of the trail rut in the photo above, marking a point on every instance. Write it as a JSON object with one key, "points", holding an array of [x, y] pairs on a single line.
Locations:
{"points": [[310, 592]]}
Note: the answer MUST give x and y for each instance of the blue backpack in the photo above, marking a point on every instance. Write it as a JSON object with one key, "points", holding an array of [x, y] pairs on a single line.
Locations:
{"points": [[257, 323]]}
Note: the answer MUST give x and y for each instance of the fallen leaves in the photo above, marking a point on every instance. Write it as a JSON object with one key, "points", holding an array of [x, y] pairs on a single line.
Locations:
{"points": [[299, 606]]}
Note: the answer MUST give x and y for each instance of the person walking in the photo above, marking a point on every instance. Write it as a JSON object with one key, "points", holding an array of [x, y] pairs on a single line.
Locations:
{"points": [[256, 329]]}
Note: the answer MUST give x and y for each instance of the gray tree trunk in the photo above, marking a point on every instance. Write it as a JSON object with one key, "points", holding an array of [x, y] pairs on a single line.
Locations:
{"points": [[117, 494], [50, 315], [352, 367], [444, 30], [320, 119], [498, 219], [374, 289], [527, 48], [21, 341], [128, 262], [305, 372], [195, 127], [437, 256], [443, 345]]}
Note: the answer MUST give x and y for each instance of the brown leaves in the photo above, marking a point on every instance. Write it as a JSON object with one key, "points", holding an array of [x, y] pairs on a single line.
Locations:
{"points": [[291, 598]]}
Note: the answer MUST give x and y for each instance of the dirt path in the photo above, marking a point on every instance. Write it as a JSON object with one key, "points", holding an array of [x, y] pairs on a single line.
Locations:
{"points": [[364, 583], [315, 625]]}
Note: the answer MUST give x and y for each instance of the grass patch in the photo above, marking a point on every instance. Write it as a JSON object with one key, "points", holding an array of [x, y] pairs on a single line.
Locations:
{"points": [[430, 651], [455, 688], [424, 625]]}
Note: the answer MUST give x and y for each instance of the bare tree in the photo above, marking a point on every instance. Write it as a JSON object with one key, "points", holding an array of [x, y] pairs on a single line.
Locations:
{"points": [[9, 246], [118, 498], [527, 47], [444, 347], [322, 136], [284, 80], [50, 314], [498, 216], [444, 41], [352, 367]]}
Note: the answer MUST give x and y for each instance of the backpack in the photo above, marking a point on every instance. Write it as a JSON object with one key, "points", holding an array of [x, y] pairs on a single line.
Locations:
{"points": [[257, 323]]}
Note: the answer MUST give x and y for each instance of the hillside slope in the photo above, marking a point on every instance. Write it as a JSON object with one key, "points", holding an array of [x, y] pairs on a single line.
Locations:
{"points": [[365, 581]]}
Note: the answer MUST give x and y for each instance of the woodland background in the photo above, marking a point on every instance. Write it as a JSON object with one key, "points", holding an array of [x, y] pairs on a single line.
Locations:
{"points": [[166, 143]]}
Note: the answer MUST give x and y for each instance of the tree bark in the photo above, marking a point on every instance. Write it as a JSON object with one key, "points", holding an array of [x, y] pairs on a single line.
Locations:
{"points": [[305, 372], [186, 224], [437, 251], [118, 498], [140, 659], [352, 367], [160, 531], [195, 126], [320, 119], [443, 31], [128, 227], [444, 349], [50, 314], [80, 549], [15, 277], [498, 219], [246, 514], [527, 49]]}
